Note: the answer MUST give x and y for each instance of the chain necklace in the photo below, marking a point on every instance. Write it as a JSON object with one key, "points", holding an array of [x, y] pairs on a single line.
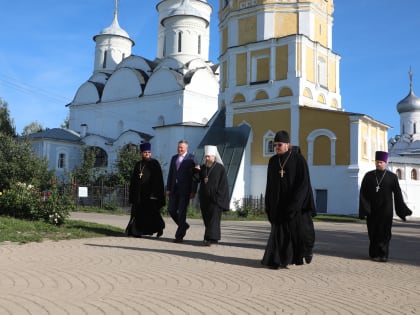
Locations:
{"points": [[208, 171], [378, 183], [282, 171], [141, 170]]}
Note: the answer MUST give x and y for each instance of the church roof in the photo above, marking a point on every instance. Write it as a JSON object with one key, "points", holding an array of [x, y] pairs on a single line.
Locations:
{"points": [[411, 102], [114, 28], [56, 134], [185, 9]]}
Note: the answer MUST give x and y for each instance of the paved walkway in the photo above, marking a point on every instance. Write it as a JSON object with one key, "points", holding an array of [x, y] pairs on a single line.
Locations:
{"points": [[120, 275]]}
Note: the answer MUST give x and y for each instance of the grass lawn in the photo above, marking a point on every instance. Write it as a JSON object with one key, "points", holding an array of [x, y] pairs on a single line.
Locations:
{"points": [[23, 231]]}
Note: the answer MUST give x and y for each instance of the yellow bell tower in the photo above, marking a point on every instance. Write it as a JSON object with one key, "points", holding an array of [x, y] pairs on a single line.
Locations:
{"points": [[277, 53], [278, 71]]}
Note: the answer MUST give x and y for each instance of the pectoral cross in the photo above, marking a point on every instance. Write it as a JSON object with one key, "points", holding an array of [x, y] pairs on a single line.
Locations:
{"points": [[377, 188], [282, 172], [141, 174]]}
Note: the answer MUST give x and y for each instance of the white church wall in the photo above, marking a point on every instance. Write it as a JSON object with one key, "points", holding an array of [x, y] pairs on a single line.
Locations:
{"points": [[259, 180], [198, 108], [341, 184], [238, 192], [410, 190]]}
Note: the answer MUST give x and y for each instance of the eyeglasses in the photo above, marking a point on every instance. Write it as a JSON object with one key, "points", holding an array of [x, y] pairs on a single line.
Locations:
{"points": [[278, 144]]}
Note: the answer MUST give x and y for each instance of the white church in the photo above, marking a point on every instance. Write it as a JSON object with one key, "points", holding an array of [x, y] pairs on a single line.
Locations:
{"points": [[276, 70]]}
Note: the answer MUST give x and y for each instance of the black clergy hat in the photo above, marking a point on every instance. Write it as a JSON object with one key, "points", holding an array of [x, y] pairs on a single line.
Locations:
{"points": [[282, 136], [145, 147]]}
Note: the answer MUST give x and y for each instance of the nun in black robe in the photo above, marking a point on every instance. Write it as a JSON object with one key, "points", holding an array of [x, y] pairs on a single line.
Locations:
{"points": [[213, 194], [147, 196], [289, 205], [380, 193]]}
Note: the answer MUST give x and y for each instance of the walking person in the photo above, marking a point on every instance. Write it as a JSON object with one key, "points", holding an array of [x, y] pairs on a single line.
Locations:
{"points": [[147, 196], [380, 193], [181, 188], [289, 206], [213, 193]]}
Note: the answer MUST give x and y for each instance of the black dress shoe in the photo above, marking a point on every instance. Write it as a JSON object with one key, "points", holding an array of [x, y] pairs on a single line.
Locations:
{"points": [[206, 243], [178, 240], [159, 234], [383, 259], [308, 259]]}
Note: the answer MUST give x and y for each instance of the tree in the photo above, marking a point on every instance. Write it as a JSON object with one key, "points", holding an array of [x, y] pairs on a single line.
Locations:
{"points": [[127, 158], [18, 163], [66, 123], [33, 127], [86, 173], [6, 123]]}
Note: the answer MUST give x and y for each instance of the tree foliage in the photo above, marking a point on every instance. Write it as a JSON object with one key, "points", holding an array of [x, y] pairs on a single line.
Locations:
{"points": [[33, 127], [86, 173], [6, 123], [126, 160], [18, 163]]}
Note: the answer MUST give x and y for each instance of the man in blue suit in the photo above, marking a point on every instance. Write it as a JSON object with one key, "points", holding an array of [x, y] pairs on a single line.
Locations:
{"points": [[181, 188]]}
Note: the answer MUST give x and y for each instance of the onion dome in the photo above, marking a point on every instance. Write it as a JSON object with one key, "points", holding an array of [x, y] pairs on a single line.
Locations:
{"points": [[185, 9], [114, 28], [411, 102]]}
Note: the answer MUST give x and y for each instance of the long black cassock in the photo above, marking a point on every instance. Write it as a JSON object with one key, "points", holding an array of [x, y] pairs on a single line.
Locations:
{"points": [[147, 196], [290, 206], [377, 204], [214, 198]]}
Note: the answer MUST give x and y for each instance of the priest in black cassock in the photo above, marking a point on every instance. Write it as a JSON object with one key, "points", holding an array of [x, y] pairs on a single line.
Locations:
{"points": [[380, 192], [213, 193], [147, 196], [289, 205]]}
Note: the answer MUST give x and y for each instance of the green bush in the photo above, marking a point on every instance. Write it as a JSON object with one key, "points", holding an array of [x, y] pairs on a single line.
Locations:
{"points": [[23, 201], [20, 201]]}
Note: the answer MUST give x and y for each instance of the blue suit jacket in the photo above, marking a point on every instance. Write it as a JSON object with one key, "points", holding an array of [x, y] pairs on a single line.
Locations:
{"points": [[182, 179]]}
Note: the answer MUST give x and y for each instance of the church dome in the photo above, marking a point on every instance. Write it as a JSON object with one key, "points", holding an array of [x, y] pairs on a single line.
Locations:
{"points": [[185, 9], [410, 103], [114, 29]]}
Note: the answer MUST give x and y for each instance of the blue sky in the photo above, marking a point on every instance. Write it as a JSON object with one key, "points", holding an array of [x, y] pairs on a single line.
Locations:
{"points": [[47, 52]]}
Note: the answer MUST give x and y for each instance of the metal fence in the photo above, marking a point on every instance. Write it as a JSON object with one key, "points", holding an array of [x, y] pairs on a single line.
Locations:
{"points": [[117, 197], [104, 197]]}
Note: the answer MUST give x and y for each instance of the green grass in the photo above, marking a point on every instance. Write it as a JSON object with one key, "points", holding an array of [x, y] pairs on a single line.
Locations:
{"points": [[23, 231], [335, 218]]}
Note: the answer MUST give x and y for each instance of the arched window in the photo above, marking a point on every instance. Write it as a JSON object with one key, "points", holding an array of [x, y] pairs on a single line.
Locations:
{"points": [[130, 148], [104, 63], [179, 41], [61, 163], [268, 143], [399, 174], [99, 155], [413, 174]]}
